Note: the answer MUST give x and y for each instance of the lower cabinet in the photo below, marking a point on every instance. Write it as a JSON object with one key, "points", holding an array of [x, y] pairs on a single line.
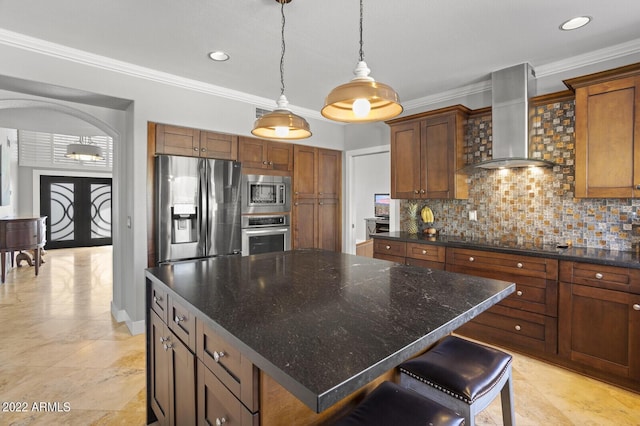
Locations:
{"points": [[416, 254], [173, 389], [195, 376], [599, 317], [527, 319]]}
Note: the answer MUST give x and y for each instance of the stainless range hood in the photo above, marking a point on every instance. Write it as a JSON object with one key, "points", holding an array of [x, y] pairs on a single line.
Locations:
{"points": [[510, 91]]}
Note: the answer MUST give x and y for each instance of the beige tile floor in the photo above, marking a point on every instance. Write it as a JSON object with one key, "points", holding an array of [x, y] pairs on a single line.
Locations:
{"points": [[60, 345]]}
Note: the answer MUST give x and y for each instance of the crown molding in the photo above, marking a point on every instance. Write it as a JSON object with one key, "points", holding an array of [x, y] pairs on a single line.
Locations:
{"points": [[32, 44], [44, 47]]}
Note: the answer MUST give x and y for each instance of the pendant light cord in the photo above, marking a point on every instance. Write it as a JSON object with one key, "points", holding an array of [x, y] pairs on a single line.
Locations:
{"points": [[283, 49], [361, 44]]}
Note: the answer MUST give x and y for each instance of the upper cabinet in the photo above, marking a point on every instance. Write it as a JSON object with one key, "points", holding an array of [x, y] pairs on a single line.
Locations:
{"points": [[427, 150], [262, 154], [608, 133], [189, 142]]}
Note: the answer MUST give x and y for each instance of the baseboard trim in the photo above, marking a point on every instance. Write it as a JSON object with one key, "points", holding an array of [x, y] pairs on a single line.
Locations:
{"points": [[120, 315]]}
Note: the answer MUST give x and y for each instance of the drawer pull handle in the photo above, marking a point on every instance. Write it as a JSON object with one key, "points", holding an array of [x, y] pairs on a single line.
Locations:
{"points": [[220, 421], [217, 355], [471, 259], [518, 328], [599, 275], [179, 318], [519, 292], [388, 247], [424, 252], [519, 265], [636, 307]]}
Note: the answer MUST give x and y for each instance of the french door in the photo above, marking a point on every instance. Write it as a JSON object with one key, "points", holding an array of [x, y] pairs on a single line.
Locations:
{"points": [[78, 211]]}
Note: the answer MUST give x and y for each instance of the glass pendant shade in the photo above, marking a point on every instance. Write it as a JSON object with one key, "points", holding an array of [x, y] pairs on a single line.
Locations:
{"points": [[84, 152], [346, 102], [281, 123]]}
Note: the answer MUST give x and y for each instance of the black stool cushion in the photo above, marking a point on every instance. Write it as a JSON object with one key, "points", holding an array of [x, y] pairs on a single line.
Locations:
{"points": [[389, 404], [461, 368]]}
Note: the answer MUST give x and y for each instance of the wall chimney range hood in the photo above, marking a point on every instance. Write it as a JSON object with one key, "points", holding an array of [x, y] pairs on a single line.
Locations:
{"points": [[510, 91]]}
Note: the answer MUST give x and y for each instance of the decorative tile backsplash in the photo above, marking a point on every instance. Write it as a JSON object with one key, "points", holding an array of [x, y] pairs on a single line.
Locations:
{"points": [[533, 206]]}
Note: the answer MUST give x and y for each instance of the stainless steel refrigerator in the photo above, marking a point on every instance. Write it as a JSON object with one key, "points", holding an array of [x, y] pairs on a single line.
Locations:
{"points": [[198, 208]]}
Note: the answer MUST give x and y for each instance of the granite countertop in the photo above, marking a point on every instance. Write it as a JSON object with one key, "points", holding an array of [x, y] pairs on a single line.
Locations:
{"points": [[323, 324], [627, 259]]}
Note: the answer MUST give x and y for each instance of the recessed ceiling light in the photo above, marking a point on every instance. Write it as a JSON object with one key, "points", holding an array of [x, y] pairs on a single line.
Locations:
{"points": [[575, 23], [219, 56]]}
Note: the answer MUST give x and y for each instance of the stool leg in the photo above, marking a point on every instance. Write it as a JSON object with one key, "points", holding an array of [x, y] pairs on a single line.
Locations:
{"points": [[506, 397]]}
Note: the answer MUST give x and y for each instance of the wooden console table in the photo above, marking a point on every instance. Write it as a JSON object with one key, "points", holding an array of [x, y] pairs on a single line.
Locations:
{"points": [[22, 233]]}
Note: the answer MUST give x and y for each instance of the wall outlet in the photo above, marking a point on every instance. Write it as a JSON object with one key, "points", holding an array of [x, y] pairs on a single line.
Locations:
{"points": [[473, 215]]}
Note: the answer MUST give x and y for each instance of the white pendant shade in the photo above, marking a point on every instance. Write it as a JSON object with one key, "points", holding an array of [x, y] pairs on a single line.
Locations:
{"points": [[84, 152]]}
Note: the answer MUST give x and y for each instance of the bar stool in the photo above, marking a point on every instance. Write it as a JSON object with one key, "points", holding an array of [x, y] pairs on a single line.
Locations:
{"points": [[462, 375], [390, 404]]}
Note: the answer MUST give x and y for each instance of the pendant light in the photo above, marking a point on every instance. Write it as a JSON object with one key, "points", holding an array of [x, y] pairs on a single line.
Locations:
{"points": [[363, 99], [84, 151], [281, 123]]}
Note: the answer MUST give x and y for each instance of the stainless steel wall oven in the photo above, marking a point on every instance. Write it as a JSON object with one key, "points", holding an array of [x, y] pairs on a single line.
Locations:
{"points": [[265, 233]]}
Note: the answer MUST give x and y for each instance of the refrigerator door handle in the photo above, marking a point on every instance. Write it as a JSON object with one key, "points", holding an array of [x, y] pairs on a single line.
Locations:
{"points": [[203, 214]]}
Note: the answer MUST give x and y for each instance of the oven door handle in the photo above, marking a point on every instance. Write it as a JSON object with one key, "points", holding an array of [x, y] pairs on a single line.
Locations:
{"points": [[265, 231]]}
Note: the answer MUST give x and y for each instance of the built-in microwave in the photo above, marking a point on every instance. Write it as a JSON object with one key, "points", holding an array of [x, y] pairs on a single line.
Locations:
{"points": [[266, 194]]}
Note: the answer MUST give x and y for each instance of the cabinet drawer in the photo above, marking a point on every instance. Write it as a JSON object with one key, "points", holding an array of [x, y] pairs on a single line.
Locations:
{"points": [[237, 373], [512, 327], [425, 263], [390, 248], [506, 263], [610, 277], [426, 252], [159, 302], [182, 323], [21, 234], [216, 405]]}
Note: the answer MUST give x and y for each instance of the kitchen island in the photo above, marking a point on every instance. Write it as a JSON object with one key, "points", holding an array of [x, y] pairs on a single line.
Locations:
{"points": [[321, 325]]}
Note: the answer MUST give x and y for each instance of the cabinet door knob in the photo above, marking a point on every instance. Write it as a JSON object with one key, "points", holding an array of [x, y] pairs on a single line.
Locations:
{"points": [[179, 318], [636, 307], [195, 148], [422, 191], [203, 149], [271, 163], [220, 421], [320, 202], [519, 292], [424, 252], [217, 355], [518, 328], [519, 265], [416, 191], [388, 247], [637, 186], [167, 346], [471, 259], [156, 299], [599, 275], [265, 162], [163, 339]]}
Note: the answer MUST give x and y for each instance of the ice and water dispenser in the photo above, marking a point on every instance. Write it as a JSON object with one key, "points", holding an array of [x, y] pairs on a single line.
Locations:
{"points": [[184, 223]]}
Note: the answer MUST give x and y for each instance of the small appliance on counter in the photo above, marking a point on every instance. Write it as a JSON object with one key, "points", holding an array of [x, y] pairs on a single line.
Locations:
{"points": [[198, 208]]}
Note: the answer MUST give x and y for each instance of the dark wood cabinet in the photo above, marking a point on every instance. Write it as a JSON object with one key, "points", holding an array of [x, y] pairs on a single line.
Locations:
{"points": [[173, 387], [317, 182], [416, 254], [427, 151], [185, 141], [526, 319], [265, 155], [599, 321], [608, 133]]}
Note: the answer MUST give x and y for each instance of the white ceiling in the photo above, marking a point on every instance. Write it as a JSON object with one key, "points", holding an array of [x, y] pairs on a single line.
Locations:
{"points": [[419, 47]]}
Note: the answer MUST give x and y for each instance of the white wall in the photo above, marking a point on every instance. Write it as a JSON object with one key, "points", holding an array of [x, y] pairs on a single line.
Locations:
{"points": [[9, 138], [152, 100], [371, 174]]}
